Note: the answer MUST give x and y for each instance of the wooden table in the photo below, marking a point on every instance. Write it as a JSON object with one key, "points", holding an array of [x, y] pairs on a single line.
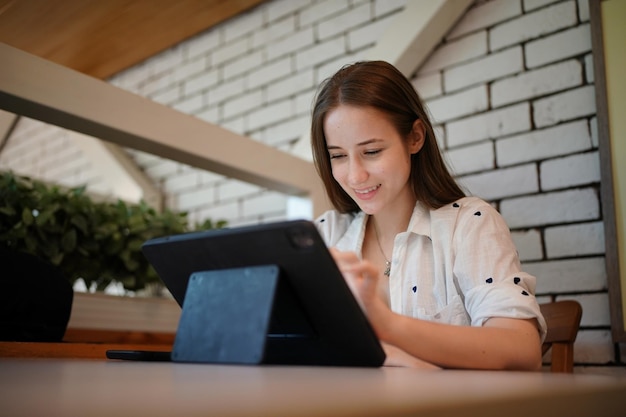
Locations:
{"points": [[79, 387]]}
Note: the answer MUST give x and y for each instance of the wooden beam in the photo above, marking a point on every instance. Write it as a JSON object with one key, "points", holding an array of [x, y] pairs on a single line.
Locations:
{"points": [[417, 31], [43, 90]]}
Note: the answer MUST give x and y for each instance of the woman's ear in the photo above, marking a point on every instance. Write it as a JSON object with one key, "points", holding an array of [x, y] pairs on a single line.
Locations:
{"points": [[417, 137]]}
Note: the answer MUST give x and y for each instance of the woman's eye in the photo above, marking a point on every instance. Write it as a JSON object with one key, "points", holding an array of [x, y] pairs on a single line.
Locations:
{"points": [[336, 156], [372, 152]]}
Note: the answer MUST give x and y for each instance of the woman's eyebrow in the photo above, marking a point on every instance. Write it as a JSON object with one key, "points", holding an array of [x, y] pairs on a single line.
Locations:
{"points": [[364, 143]]}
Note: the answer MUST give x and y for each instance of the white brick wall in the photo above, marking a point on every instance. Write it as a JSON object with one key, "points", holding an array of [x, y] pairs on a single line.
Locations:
{"points": [[569, 275], [534, 25], [575, 240], [551, 208], [507, 182], [489, 125], [510, 88], [536, 83], [537, 144]]}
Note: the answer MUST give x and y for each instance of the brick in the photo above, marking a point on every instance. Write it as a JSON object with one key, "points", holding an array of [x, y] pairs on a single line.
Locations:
{"points": [[237, 125], [209, 114], [575, 240], [156, 84], [589, 75], [536, 83], [535, 4], [129, 79], [271, 114], [168, 96], [181, 181], [277, 30], [533, 25], [473, 158], [583, 10], [453, 53], [459, 104], [188, 200], [492, 185], [551, 208], [571, 171], [166, 60], [208, 178], [567, 44], [229, 51], [489, 125], [322, 11], [320, 53], [269, 72], [528, 244], [343, 22], [370, 34], [291, 130], [225, 90], [222, 211], [190, 104], [268, 203], [242, 104], [242, 65], [162, 170], [304, 103], [383, 7], [235, 189], [202, 82], [202, 44], [594, 346], [565, 106], [291, 85], [242, 24], [301, 39], [485, 15], [428, 86], [189, 69], [593, 127], [568, 275], [545, 143], [489, 68], [279, 8]]}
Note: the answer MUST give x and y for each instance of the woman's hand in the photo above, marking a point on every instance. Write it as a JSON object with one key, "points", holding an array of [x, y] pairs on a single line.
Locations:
{"points": [[362, 279], [360, 275]]}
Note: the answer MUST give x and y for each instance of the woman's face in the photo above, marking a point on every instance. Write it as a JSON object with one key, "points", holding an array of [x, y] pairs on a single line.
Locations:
{"points": [[369, 159]]}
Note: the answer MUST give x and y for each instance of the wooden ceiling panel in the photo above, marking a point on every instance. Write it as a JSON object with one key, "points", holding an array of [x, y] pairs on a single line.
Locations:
{"points": [[103, 37]]}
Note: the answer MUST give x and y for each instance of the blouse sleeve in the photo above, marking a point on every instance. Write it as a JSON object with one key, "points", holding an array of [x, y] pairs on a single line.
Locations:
{"points": [[488, 269]]}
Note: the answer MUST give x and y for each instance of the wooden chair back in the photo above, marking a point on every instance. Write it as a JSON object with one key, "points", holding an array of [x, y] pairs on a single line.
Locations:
{"points": [[563, 320]]}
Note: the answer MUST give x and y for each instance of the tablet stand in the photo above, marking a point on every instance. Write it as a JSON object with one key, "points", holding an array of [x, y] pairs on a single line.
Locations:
{"points": [[226, 315]]}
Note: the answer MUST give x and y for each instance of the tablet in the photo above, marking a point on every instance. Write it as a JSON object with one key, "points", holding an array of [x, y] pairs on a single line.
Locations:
{"points": [[314, 318]]}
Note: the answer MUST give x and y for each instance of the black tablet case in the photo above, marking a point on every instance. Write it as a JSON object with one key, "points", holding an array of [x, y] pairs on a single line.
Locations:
{"points": [[268, 293]]}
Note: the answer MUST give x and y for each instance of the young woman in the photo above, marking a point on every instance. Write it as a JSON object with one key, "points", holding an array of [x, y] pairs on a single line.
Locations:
{"points": [[436, 272]]}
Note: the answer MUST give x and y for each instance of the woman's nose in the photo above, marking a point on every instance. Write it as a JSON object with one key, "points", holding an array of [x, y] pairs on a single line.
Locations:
{"points": [[357, 173]]}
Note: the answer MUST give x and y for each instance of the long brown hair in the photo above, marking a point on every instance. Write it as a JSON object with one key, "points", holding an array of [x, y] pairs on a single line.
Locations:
{"points": [[380, 85]]}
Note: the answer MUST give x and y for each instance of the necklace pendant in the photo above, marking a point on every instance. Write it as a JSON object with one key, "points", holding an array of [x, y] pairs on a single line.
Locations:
{"points": [[387, 268]]}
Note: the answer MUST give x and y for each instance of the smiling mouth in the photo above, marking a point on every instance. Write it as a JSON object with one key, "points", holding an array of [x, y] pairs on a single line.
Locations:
{"points": [[367, 190]]}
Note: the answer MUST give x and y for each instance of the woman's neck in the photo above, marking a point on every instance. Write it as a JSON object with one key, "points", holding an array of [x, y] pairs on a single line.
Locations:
{"points": [[393, 220]]}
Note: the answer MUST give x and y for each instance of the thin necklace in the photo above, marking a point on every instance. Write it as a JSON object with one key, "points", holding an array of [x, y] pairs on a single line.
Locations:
{"points": [[387, 263]]}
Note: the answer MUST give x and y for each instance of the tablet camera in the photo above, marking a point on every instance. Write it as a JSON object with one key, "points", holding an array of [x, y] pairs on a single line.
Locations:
{"points": [[300, 238]]}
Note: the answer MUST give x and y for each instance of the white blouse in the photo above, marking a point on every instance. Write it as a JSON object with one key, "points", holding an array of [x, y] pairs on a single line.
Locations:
{"points": [[455, 265]]}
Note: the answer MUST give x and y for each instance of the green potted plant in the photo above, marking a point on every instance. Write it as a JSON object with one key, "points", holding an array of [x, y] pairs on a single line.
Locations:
{"points": [[98, 242]]}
